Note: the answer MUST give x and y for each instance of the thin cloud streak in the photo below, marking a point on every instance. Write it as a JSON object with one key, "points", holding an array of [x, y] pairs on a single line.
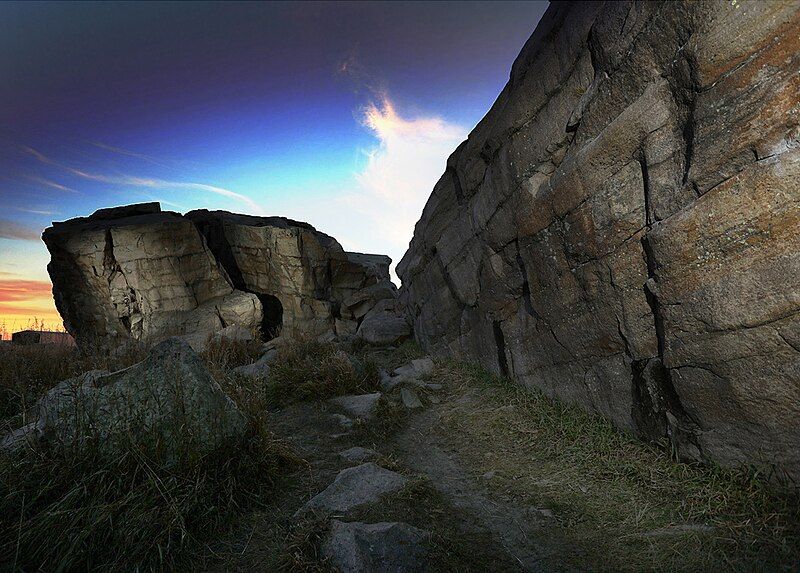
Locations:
{"points": [[17, 232], [16, 290], [51, 184], [36, 211], [149, 183], [128, 153]]}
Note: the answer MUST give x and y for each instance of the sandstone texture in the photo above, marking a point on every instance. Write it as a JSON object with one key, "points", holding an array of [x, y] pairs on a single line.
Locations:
{"points": [[138, 273], [622, 229]]}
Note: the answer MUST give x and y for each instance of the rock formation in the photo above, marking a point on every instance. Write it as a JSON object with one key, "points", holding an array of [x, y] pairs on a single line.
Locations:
{"points": [[622, 229], [137, 272]]}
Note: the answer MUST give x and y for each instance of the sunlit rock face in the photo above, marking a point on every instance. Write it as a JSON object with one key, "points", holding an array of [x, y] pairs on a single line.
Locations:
{"points": [[301, 276], [136, 272], [622, 229]]}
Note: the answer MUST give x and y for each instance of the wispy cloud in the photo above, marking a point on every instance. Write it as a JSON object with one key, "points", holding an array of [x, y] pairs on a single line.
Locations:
{"points": [[147, 182], [35, 211], [377, 213], [12, 230], [16, 290], [51, 184], [128, 153]]}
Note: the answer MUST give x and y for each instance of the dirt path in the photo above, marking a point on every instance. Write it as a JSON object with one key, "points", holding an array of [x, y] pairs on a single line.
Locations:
{"points": [[473, 528], [518, 529]]}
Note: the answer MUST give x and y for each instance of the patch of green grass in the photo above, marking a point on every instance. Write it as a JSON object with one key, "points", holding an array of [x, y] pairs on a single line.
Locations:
{"points": [[313, 370], [619, 500]]}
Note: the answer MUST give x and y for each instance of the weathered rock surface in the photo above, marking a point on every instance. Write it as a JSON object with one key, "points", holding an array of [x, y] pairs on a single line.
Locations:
{"points": [[355, 487], [384, 325], [357, 547], [137, 272], [359, 455], [363, 406], [302, 276], [162, 404], [622, 230]]}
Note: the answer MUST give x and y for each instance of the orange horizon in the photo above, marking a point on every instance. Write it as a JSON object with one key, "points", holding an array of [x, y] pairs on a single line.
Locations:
{"points": [[27, 304]]}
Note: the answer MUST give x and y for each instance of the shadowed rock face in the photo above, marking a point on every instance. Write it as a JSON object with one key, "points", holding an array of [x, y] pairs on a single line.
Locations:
{"points": [[137, 272], [622, 230]]}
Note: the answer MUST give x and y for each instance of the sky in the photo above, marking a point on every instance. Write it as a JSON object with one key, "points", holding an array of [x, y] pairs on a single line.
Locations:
{"points": [[339, 114]]}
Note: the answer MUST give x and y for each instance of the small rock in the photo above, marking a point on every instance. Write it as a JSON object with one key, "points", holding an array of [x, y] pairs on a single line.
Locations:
{"points": [[376, 547], [422, 366], [434, 399], [363, 406], [489, 475], [410, 399], [260, 368], [406, 370], [274, 343], [342, 420], [434, 387], [355, 487], [359, 455]]}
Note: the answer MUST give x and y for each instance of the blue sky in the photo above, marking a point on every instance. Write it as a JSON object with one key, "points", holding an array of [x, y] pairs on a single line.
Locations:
{"points": [[340, 114]]}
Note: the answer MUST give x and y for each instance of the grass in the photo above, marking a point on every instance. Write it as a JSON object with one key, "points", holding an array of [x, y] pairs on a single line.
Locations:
{"points": [[27, 372], [65, 509], [307, 369], [621, 502]]}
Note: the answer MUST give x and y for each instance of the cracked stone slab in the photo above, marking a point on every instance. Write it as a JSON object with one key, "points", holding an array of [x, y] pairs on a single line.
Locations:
{"points": [[353, 488], [363, 406]]}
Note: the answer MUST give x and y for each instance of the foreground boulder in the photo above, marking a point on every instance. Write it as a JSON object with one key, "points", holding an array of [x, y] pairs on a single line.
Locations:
{"points": [[166, 405], [376, 547], [138, 273], [622, 229]]}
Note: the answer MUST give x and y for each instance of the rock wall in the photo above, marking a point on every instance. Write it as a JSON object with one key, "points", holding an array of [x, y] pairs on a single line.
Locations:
{"points": [[622, 229], [136, 272]]}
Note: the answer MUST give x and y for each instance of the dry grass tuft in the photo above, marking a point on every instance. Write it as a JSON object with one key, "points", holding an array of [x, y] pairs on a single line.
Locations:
{"points": [[77, 509], [313, 370]]}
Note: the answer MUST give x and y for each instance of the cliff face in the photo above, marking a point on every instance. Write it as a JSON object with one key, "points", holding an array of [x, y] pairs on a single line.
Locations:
{"points": [[622, 229], [136, 272]]}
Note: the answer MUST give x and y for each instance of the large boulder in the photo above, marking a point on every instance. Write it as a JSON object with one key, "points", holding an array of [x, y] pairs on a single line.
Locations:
{"points": [[136, 272], [167, 404], [622, 229], [301, 275], [384, 325]]}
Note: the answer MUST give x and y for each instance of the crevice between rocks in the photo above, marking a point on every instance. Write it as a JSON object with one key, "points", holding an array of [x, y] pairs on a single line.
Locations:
{"points": [[656, 408], [500, 343]]}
